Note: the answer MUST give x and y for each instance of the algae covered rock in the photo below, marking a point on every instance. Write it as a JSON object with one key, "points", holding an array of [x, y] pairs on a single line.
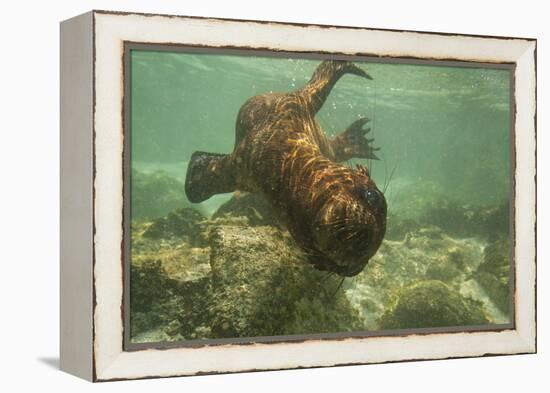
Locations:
{"points": [[422, 204], [152, 297], [254, 207], [432, 304], [494, 274], [426, 254], [181, 223], [232, 276], [180, 256], [263, 286], [445, 271], [246, 282], [169, 281], [164, 308]]}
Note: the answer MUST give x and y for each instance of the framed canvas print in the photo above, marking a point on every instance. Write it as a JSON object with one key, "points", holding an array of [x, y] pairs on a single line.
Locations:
{"points": [[246, 195]]}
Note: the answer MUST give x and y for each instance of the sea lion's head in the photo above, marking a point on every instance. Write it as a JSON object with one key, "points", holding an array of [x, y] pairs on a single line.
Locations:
{"points": [[350, 223]]}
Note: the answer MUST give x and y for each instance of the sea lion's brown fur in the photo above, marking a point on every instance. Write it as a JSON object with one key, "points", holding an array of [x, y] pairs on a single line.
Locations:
{"points": [[335, 213]]}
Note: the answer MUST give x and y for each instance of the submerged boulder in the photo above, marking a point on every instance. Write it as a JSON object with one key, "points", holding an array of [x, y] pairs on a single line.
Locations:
{"points": [[224, 277], [426, 254], [254, 207], [169, 279], [263, 286], [432, 303], [164, 308], [423, 204], [246, 282], [494, 274], [181, 223]]}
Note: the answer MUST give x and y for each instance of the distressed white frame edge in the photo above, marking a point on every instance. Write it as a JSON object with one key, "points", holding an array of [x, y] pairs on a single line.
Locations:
{"points": [[76, 205], [111, 362]]}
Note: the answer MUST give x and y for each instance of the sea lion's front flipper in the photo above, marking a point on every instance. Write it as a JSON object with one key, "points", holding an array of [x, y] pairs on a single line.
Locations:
{"points": [[324, 78], [352, 143], [209, 174]]}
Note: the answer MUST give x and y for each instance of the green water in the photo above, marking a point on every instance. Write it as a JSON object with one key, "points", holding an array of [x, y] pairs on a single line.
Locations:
{"points": [[449, 125], [444, 134]]}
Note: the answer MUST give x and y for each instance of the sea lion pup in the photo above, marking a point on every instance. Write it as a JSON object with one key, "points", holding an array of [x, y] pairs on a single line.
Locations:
{"points": [[335, 213]]}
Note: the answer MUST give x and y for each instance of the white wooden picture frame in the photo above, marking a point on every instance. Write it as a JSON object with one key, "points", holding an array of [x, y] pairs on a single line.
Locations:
{"points": [[92, 181]]}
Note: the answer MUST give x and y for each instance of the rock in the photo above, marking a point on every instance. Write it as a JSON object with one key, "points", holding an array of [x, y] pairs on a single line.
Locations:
{"points": [[262, 286], [182, 223], [152, 298], [469, 220], [432, 304], [494, 274], [180, 257], [165, 309], [421, 205], [198, 278], [426, 254], [169, 279], [258, 283], [254, 207], [445, 271]]}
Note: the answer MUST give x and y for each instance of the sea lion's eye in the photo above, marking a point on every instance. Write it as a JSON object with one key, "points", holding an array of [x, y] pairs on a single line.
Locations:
{"points": [[374, 198]]}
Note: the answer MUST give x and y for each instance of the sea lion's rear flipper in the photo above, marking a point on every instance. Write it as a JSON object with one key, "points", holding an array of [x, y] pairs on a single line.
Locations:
{"points": [[324, 78], [352, 143], [208, 174]]}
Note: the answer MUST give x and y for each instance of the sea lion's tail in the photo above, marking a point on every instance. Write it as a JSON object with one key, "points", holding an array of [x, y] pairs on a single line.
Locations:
{"points": [[208, 174]]}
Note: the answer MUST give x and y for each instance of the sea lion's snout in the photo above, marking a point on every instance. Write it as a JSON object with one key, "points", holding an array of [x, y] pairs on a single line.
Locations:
{"points": [[352, 227]]}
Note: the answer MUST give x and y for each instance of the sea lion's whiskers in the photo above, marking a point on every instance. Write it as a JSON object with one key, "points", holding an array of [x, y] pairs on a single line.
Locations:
{"points": [[337, 221], [326, 277], [373, 124], [355, 231], [390, 199], [387, 183], [341, 230], [352, 235], [385, 174], [339, 286], [396, 165], [337, 224], [336, 228], [342, 225]]}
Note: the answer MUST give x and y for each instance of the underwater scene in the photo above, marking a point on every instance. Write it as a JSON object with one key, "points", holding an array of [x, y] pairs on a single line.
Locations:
{"points": [[274, 196]]}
